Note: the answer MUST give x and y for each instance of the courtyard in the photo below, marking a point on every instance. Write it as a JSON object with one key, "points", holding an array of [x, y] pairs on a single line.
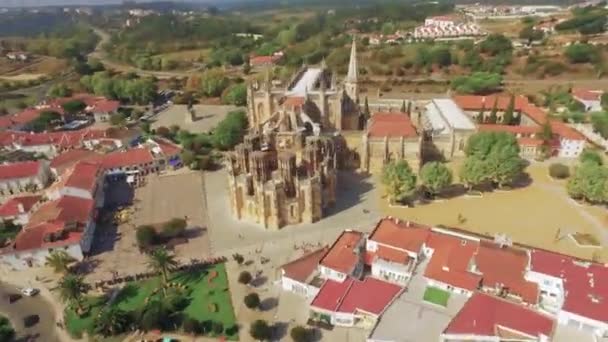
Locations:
{"points": [[206, 117], [540, 215]]}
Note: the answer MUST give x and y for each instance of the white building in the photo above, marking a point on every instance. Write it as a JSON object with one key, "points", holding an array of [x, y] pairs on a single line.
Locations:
{"points": [[344, 258], [23, 176], [18, 209], [591, 99], [301, 276]]}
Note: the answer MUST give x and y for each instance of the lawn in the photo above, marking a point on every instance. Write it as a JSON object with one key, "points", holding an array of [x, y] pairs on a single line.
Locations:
{"points": [[208, 300], [436, 296]]}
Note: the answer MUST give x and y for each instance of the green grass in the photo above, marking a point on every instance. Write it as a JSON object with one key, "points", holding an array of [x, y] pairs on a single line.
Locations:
{"points": [[436, 296], [201, 295]]}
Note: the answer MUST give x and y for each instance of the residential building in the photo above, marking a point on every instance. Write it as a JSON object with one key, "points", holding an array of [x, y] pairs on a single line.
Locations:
{"points": [[488, 318], [390, 137], [394, 248], [301, 275], [18, 209], [446, 27], [23, 177], [591, 99], [83, 180], [266, 61], [353, 302], [65, 160], [18, 56], [345, 257]]}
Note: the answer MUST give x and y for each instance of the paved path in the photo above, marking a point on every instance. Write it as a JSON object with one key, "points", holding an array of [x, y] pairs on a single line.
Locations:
{"points": [[44, 331]]}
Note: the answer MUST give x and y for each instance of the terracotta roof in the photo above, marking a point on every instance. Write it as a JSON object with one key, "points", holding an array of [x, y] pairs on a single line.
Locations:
{"points": [[391, 125], [264, 60], [65, 209], [354, 295], [505, 267], [530, 142], [63, 139], [132, 157], [450, 261], [404, 235], [585, 283], [483, 315], [34, 237], [342, 256], [20, 170], [168, 148], [15, 205], [105, 106], [83, 175], [388, 254], [71, 157], [302, 268], [587, 94]]}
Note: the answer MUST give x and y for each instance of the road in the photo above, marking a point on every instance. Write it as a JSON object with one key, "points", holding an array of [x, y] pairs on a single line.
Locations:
{"points": [[44, 331], [100, 55]]}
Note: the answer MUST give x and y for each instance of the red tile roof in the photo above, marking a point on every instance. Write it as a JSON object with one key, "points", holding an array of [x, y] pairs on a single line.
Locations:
{"points": [[585, 283], [34, 237], [64, 139], [404, 235], [355, 295], [505, 267], [71, 157], [472, 102], [450, 261], [483, 315], [342, 256], [65, 209], [587, 94], [302, 268], [264, 60], [15, 205], [168, 148], [387, 253], [132, 157], [83, 175], [391, 125], [105, 106], [20, 170]]}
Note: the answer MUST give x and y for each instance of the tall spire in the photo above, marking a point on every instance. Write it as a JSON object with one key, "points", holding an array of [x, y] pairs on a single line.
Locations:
{"points": [[352, 65]]}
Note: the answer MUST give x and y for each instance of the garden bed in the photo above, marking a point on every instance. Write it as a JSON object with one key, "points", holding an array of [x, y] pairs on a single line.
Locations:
{"points": [[201, 294]]}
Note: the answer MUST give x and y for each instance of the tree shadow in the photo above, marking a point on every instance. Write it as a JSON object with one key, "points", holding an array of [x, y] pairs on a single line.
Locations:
{"points": [[279, 330], [269, 303], [127, 292], [28, 338], [194, 232], [350, 191], [316, 335], [259, 281], [86, 266]]}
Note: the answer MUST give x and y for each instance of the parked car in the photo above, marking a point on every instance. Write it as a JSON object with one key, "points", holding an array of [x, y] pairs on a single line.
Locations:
{"points": [[29, 291]]}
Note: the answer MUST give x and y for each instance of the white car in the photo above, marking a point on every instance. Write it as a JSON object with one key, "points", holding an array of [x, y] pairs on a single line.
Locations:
{"points": [[29, 291]]}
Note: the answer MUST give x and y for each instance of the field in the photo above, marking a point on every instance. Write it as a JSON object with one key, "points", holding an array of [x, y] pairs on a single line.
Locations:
{"points": [[540, 214], [186, 55], [204, 294], [39, 66]]}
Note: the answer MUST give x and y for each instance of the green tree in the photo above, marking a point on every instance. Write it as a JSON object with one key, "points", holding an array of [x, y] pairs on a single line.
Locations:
{"points": [[245, 278], [252, 300], [112, 321], [45, 121], [546, 133], [496, 44], [589, 183], [599, 121], [260, 330], [191, 326], [441, 56], [300, 334], [530, 34], [74, 107], [507, 118], [160, 260], [559, 171], [481, 115], [230, 131], [59, 90], [213, 82], [477, 83], [146, 236], [157, 314], [399, 180], [71, 289], [493, 118], [591, 156], [7, 333], [473, 172], [60, 261], [235, 95], [366, 111], [581, 53], [435, 177]]}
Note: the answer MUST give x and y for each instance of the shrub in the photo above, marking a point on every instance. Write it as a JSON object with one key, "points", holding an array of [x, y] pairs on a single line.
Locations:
{"points": [[300, 334], [559, 171], [191, 326], [245, 278], [252, 301], [217, 327], [146, 236]]}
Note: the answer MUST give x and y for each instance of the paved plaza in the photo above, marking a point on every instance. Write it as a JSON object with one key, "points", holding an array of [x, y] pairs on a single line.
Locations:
{"points": [[206, 117]]}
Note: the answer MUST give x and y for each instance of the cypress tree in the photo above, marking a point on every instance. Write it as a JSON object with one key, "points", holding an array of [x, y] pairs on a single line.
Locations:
{"points": [[507, 119], [409, 108], [482, 113], [366, 112], [493, 114], [403, 107]]}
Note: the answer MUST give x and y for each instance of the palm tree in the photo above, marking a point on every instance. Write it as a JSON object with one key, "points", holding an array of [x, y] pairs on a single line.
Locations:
{"points": [[59, 261], [112, 321], [160, 260], [71, 289]]}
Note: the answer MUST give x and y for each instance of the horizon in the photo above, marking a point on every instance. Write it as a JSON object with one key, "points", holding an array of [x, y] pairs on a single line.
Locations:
{"points": [[53, 3]]}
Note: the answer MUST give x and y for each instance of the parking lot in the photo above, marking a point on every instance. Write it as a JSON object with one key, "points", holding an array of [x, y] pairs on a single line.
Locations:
{"points": [[206, 117]]}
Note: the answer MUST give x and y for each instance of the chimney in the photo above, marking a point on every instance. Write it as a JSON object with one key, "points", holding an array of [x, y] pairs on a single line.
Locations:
{"points": [[20, 207]]}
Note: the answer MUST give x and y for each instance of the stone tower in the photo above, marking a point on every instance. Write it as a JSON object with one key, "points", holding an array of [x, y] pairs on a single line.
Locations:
{"points": [[351, 83]]}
